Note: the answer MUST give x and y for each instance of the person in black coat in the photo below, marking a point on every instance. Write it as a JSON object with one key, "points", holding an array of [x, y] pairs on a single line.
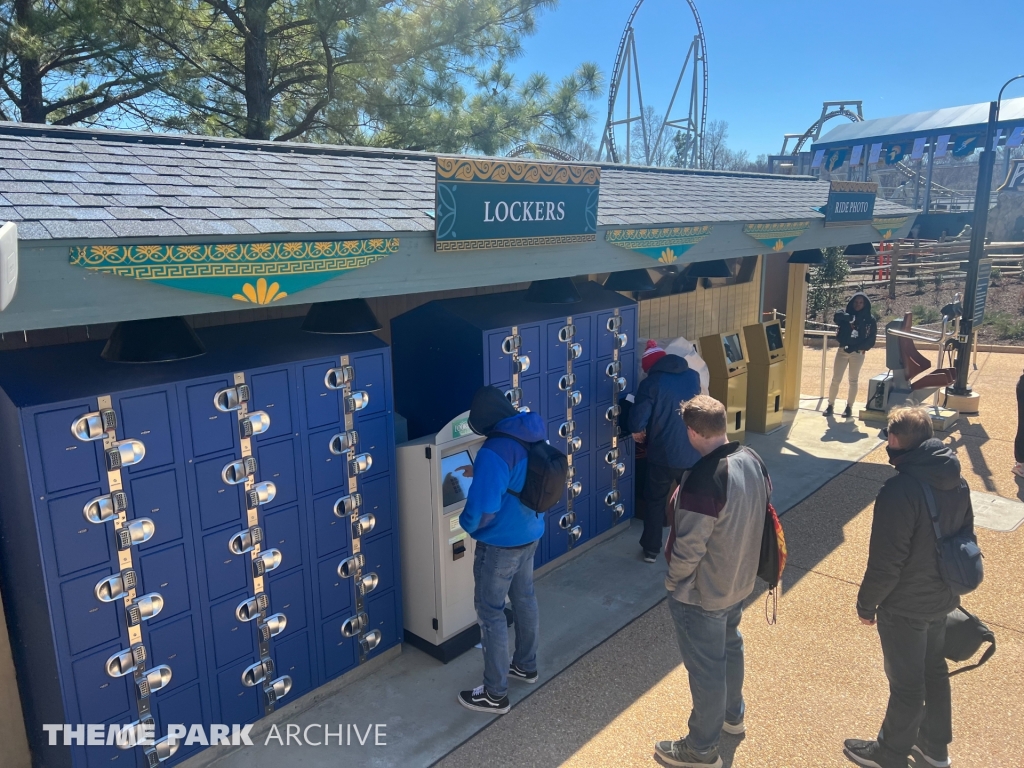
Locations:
{"points": [[904, 594], [655, 418], [856, 334], [1018, 441]]}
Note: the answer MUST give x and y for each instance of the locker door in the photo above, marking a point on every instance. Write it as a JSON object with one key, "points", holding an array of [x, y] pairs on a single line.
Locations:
{"points": [[105, 756], [292, 658], [554, 405], [271, 393], [238, 703], [174, 643], [326, 470], [531, 347], [281, 529], [146, 418], [377, 499], [212, 430], [373, 439], [78, 543], [183, 707], [165, 571], [156, 497], [498, 365], [67, 461], [332, 532], [370, 379], [321, 402], [100, 696], [532, 392], [383, 616], [219, 503], [276, 462], [335, 592], [340, 653], [380, 559], [225, 571], [232, 639], [89, 621], [604, 336], [288, 596]]}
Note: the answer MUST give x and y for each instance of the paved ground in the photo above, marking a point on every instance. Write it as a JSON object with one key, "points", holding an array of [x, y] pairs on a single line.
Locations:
{"points": [[815, 678]]}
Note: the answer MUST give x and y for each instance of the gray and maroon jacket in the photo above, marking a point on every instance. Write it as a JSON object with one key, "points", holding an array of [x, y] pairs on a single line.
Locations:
{"points": [[715, 543]]}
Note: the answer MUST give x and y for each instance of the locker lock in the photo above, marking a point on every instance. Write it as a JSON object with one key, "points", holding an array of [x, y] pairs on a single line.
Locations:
{"points": [[574, 535], [245, 541], [144, 608], [131, 735], [256, 423], [337, 378], [567, 521], [256, 673], [575, 350], [611, 498], [125, 453], [370, 641], [260, 493], [346, 505], [514, 395], [567, 428], [619, 469], [570, 473], [575, 489], [566, 332], [163, 749], [136, 532], [231, 399], [343, 442], [574, 444], [621, 340], [612, 413], [367, 584], [618, 384], [273, 626], [103, 509], [614, 323], [237, 472], [521, 364], [266, 562], [567, 382], [154, 680], [612, 456], [277, 689], [94, 426], [511, 343], [356, 402], [613, 369], [350, 565], [252, 607], [124, 662], [360, 463], [618, 511], [363, 525], [575, 398], [353, 625], [115, 587]]}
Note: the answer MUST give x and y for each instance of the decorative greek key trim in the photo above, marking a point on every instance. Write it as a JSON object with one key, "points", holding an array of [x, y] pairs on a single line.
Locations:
{"points": [[462, 169]]}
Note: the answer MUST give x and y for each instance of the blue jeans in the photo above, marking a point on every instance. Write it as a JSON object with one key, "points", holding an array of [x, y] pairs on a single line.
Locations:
{"points": [[712, 649], [500, 571]]}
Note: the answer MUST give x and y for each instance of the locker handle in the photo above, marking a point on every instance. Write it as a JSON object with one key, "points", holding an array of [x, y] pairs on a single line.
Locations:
{"points": [[567, 428], [125, 453], [363, 525], [575, 534], [94, 426], [618, 385], [255, 674], [103, 509], [359, 464], [231, 399], [367, 584], [277, 689], [337, 378], [612, 413], [613, 369], [130, 735], [575, 398], [266, 562], [614, 323], [575, 489], [574, 445], [256, 423], [357, 401], [612, 456], [245, 541], [260, 493], [273, 626], [163, 749], [154, 680], [511, 343], [619, 469], [521, 364], [136, 532], [567, 381], [343, 442], [237, 472], [252, 607], [566, 521], [115, 587], [144, 608], [346, 505], [125, 662], [621, 340], [611, 498], [351, 565], [618, 511], [370, 641], [566, 332], [353, 625]]}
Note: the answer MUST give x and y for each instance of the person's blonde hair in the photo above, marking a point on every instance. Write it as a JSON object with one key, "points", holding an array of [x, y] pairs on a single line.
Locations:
{"points": [[705, 416], [911, 425]]}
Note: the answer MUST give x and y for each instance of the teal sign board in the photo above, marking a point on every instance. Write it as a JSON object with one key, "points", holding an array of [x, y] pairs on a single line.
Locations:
{"points": [[850, 202], [509, 204]]}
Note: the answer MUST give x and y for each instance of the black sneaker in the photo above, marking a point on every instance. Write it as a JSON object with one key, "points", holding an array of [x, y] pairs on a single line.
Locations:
{"points": [[480, 700], [848, 411], [521, 674], [681, 755], [870, 754], [829, 411], [650, 557], [933, 756]]}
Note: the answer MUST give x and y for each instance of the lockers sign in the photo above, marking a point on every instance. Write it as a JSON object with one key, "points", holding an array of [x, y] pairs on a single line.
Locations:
{"points": [[255, 273], [850, 202], [510, 204]]}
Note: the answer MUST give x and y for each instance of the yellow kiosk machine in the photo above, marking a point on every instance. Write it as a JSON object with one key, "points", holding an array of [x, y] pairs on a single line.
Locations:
{"points": [[727, 367], [766, 375]]}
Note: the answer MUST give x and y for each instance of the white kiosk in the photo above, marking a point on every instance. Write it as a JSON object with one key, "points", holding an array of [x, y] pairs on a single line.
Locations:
{"points": [[434, 476]]}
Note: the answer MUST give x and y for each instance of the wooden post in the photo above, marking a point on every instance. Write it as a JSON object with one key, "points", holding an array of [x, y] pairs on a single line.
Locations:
{"points": [[796, 317], [892, 269]]}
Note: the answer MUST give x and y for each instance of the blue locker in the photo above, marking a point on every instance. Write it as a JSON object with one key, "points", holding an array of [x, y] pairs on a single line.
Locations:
{"points": [[52, 559]]}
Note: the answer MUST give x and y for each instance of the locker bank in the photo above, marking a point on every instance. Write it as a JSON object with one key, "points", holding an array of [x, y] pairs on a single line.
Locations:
{"points": [[212, 539]]}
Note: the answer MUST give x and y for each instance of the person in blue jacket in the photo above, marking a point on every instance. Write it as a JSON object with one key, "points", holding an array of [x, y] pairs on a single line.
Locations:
{"points": [[506, 535], [656, 419]]}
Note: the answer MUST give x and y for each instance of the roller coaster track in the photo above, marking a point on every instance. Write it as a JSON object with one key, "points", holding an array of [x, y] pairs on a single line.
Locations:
{"points": [[554, 153]]}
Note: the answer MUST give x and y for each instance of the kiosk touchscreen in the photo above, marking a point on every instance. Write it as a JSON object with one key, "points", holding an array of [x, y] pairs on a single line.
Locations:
{"points": [[725, 355], [435, 474], [766, 375]]}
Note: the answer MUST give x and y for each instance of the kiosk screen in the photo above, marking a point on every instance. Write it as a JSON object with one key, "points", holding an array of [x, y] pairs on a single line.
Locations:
{"points": [[774, 333], [733, 349], [456, 477]]}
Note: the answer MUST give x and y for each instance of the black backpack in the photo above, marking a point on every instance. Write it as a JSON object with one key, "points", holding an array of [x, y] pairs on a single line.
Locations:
{"points": [[547, 470], [960, 563]]}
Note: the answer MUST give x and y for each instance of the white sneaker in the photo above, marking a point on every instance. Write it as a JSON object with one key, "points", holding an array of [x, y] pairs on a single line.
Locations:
{"points": [[734, 728]]}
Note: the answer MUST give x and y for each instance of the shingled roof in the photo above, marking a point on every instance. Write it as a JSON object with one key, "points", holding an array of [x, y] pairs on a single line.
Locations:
{"points": [[59, 183]]}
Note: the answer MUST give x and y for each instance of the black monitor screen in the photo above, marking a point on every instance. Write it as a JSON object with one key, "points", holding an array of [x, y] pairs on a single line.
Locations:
{"points": [[733, 349], [456, 477], [774, 333]]}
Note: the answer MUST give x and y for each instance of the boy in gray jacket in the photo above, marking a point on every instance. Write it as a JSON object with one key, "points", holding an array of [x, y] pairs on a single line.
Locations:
{"points": [[712, 558]]}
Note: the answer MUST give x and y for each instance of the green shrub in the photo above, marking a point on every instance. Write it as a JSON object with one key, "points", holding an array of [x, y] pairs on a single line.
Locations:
{"points": [[920, 286], [925, 315], [1006, 325], [996, 274]]}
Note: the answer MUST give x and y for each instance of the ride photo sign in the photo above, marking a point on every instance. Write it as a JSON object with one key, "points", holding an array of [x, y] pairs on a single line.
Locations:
{"points": [[850, 203], [482, 204]]}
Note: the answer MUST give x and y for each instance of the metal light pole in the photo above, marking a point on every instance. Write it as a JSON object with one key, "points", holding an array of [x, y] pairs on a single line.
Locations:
{"points": [[982, 196]]}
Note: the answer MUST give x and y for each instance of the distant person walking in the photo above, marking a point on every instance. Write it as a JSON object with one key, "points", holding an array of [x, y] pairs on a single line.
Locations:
{"points": [[712, 563], [1018, 442], [856, 335], [654, 419], [903, 593]]}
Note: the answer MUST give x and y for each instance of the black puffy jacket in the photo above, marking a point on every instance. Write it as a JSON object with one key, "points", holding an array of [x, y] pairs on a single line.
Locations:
{"points": [[669, 384], [857, 330], [903, 567]]}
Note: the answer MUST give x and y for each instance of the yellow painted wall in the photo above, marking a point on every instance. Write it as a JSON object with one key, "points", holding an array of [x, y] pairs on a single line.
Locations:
{"points": [[704, 311]]}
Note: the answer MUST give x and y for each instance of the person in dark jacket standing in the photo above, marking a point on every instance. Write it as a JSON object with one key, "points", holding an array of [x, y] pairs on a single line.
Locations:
{"points": [[904, 594], [506, 534], [655, 419], [856, 335], [1018, 442]]}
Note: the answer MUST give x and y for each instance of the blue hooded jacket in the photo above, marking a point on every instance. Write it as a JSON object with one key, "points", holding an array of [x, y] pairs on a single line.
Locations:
{"points": [[493, 515]]}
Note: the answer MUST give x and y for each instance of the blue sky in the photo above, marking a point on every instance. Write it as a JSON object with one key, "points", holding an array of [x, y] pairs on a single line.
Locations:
{"points": [[772, 63]]}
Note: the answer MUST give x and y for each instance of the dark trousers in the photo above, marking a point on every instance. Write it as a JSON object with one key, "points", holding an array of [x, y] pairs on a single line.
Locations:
{"points": [[1018, 443], [657, 489], [919, 700]]}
